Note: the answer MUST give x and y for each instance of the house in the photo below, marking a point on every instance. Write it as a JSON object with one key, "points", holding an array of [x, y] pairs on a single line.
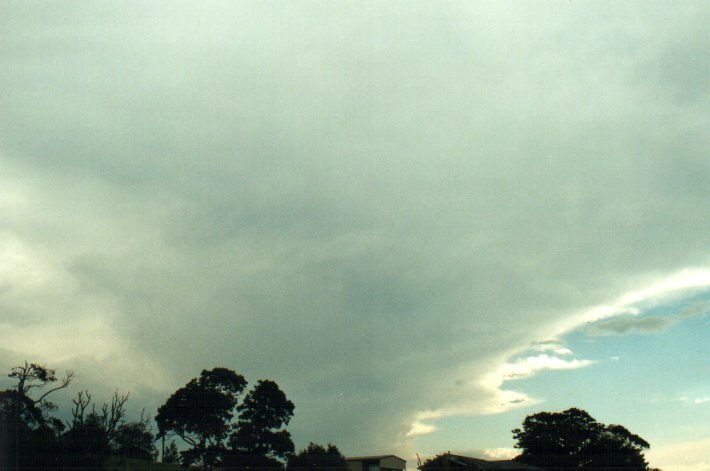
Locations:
{"points": [[449, 462], [376, 463]]}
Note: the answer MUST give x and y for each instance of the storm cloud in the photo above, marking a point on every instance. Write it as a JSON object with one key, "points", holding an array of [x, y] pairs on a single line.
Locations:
{"points": [[375, 205]]}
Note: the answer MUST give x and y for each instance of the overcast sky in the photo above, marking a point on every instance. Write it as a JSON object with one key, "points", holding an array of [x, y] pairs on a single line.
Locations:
{"points": [[407, 214]]}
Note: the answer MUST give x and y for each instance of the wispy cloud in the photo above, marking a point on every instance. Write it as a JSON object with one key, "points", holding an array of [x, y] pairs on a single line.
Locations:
{"points": [[526, 367]]}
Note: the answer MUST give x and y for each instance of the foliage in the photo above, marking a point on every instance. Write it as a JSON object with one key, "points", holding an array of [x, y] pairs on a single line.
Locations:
{"points": [[203, 414], [441, 462], [18, 409], [134, 440], [317, 458], [26, 440], [171, 455], [124, 439], [263, 413], [240, 460], [573, 440], [29, 438], [85, 445], [200, 413]]}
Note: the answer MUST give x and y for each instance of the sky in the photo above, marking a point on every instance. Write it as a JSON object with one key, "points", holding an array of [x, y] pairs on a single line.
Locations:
{"points": [[423, 220]]}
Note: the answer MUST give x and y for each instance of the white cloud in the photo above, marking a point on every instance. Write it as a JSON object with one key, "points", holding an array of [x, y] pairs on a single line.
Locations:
{"points": [[555, 346], [681, 456], [490, 397], [526, 367], [500, 453], [419, 428]]}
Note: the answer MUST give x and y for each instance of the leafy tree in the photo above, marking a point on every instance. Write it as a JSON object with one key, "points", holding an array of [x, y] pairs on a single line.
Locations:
{"points": [[441, 462], [27, 441], [29, 437], [19, 410], [317, 458], [574, 440], [134, 440], [263, 413], [171, 455], [86, 445], [201, 414]]}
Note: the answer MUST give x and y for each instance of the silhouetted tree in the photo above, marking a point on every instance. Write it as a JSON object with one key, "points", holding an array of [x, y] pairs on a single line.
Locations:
{"points": [[441, 462], [35, 375], [109, 417], [134, 440], [29, 437], [94, 434], [85, 446], [259, 440], [23, 433], [317, 458], [573, 440], [201, 414], [171, 455]]}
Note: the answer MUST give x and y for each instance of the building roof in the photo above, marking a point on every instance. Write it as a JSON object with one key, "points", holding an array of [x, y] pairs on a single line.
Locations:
{"points": [[483, 465]]}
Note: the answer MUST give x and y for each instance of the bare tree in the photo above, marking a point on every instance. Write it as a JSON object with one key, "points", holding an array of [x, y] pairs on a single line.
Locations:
{"points": [[111, 416], [80, 404]]}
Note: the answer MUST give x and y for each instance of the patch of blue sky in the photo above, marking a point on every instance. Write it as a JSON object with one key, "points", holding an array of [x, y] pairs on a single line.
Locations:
{"points": [[651, 381], [654, 380]]}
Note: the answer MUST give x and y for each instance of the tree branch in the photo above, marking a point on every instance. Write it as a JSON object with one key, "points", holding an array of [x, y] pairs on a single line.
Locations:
{"points": [[65, 383], [80, 405]]}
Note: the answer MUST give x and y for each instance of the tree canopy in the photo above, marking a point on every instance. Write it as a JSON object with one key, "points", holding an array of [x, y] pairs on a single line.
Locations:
{"points": [[205, 414], [262, 414], [171, 455], [317, 458], [258, 440], [29, 437], [574, 440], [200, 413]]}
